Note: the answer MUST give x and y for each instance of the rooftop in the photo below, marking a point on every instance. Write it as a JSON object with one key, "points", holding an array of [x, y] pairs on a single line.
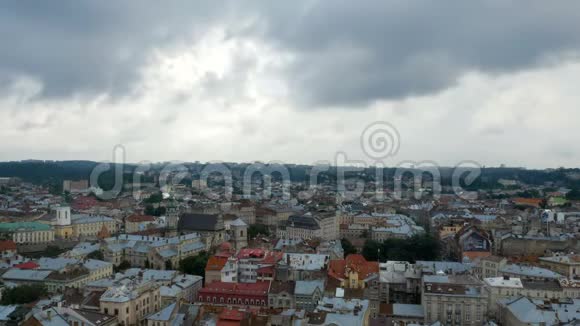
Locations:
{"points": [[23, 226], [504, 282], [308, 287], [258, 288]]}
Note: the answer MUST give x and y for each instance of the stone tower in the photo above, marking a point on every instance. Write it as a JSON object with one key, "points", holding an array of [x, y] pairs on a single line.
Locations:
{"points": [[239, 230], [63, 216]]}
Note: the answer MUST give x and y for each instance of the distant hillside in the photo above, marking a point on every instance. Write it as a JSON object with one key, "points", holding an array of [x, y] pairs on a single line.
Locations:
{"points": [[54, 172]]}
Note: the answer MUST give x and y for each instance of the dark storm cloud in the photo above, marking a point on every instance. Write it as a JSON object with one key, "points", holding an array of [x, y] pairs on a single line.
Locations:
{"points": [[347, 52], [352, 52], [91, 46]]}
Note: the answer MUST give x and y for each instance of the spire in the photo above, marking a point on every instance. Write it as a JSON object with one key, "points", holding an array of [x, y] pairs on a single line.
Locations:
{"points": [[104, 233]]}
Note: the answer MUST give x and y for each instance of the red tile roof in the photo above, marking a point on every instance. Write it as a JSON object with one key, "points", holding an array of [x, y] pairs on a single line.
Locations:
{"points": [[340, 268], [272, 257], [251, 253], [528, 201], [27, 265], [7, 245], [258, 288], [140, 218], [476, 254], [215, 263], [231, 314]]}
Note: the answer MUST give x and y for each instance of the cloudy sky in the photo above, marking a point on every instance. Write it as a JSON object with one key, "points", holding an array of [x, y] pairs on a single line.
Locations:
{"points": [[295, 81]]}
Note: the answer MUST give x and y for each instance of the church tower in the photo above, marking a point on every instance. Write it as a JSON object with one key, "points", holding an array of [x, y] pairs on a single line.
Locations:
{"points": [[63, 216], [239, 230], [62, 225]]}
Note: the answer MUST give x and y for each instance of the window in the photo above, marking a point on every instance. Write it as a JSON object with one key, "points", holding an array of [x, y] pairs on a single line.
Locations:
{"points": [[116, 312]]}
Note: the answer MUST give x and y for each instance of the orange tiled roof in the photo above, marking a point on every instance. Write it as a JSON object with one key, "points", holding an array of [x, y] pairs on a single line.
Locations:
{"points": [[476, 254], [340, 268], [215, 263], [140, 218], [528, 201], [7, 245]]}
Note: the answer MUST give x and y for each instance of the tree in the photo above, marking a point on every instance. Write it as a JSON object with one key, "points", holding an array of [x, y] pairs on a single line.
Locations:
{"points": [[154, 198], [97, 254], [23, 294], [347, 247], [195, 265], [418, 247], [573, 194], [124, 265], [52, 251], [371, 250], [256, 229], [150, 210], [68, 197]]}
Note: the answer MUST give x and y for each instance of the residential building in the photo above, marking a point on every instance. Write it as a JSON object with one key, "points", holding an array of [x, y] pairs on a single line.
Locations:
{"points": [[525, 311], [471, 243], [308, 293], [490, 266], [27, 232], [500, 288], [152, 252], [209, 226], [213, 269], [302, 266], [401, 314], [340, 311], [235, 294], [399, 282], [132, 302], [453, 300], [281, 295], [300, 227], [352, 272], [566, 265], [137, 223]]}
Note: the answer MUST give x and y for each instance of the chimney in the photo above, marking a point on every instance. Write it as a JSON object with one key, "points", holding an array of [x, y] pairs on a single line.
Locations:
{"points": [[49, 314], [506, 277]]}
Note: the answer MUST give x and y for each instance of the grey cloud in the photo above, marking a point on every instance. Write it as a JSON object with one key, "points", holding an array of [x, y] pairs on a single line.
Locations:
{"points": [[347, 53], [91, 46], [412, 46]]}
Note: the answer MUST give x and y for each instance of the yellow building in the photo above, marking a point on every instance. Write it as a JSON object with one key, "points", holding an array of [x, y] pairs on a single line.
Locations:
{"points": [[449, 229], [352, 272], [89, 226], [27, 232], [131, 303]]}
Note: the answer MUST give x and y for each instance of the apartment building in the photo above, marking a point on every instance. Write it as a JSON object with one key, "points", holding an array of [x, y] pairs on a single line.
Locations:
{"points": [[453, 300], [131, 303]]}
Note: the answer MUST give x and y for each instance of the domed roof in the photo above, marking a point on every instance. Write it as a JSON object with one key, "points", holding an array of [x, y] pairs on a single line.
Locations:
{"points": [[226, 246]]}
